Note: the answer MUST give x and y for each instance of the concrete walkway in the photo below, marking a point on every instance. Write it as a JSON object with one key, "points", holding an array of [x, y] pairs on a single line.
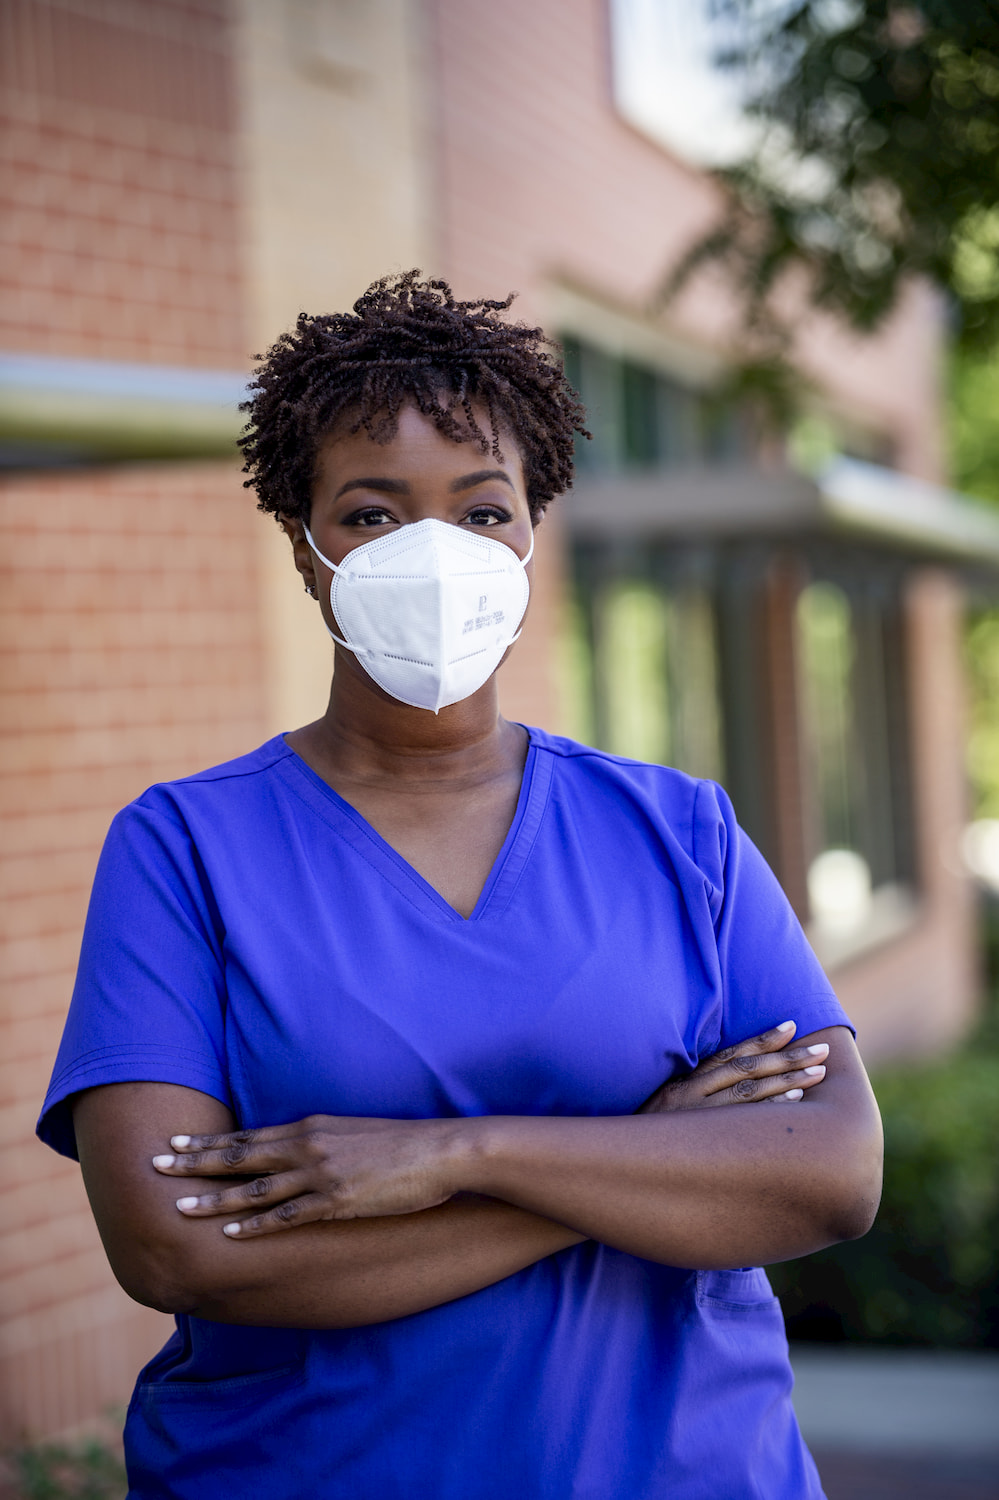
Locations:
{"points": [[888, 1424]]}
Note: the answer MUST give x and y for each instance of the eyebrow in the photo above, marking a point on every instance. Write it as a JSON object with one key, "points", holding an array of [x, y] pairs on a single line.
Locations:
{"points": [[383, 486], [400, 487], [468, 481]]}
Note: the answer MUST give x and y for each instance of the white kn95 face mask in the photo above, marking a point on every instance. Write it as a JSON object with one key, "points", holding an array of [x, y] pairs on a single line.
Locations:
{"points": [[429, 610]]}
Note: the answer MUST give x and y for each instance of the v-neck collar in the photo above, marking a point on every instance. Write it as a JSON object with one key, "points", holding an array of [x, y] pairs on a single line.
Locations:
{"points": [[355, 830]]}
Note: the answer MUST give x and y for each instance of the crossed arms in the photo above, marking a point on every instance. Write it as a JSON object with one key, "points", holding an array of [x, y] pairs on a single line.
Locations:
{"points": [[344, 1221]]}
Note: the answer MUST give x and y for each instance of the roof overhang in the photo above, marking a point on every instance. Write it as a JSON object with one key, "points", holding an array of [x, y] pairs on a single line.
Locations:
{"points": [[848, 500], [77, 410]]}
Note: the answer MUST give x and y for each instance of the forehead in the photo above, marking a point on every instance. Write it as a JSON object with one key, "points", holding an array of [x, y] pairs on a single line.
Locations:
{"points": [[417, 447]]}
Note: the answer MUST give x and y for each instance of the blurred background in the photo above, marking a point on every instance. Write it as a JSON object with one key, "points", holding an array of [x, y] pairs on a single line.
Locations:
{"points": [[779, 567]]}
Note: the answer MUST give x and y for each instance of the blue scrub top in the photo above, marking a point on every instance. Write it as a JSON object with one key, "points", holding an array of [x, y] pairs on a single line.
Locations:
{"points": [[251, 936]]}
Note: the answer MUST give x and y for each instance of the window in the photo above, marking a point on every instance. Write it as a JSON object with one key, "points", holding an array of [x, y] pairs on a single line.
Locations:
{"points": [[779, 671], [642, 419], [645, 667], [853, 743]]}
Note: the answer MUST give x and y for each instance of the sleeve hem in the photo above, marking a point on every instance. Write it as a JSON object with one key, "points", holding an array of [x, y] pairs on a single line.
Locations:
{"points": [[122, 1065], [815, 1016], [810, 1015]]}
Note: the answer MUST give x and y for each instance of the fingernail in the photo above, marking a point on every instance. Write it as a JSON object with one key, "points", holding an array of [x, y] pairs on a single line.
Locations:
{"points": [[784, 1026], [230, 1229], [186, 1203], [812, 1071], [180, 1141], [794, 1093], [819, 1047], [164, 1161]]}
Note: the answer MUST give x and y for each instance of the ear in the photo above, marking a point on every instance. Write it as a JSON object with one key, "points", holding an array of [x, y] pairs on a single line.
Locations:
{"points": [[294, 530]]}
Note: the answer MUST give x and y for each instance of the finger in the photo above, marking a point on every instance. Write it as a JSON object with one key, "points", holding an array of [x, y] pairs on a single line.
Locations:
{"points": [[762, 1065], [768, 1041], [258, 1193], [754, 1090], [187, 1143], [241, 1157], [309, 1209]]}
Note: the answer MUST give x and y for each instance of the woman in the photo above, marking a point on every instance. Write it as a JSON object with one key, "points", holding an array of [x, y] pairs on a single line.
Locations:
{"points": [[365, 1020]]}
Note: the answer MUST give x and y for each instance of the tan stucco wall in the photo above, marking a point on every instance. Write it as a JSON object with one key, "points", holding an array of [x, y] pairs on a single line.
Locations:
{"points": [[335, 184]]}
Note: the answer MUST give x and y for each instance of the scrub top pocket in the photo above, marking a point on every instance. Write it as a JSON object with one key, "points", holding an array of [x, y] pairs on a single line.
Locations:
{"points": [[742, 1292]]}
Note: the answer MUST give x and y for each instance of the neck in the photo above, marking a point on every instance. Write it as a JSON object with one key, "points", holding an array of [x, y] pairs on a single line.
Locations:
{"points": [[366, 736]]}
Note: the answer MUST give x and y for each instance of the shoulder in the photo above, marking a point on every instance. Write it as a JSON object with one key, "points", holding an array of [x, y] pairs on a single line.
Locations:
{"points": [[694, 812], [235, 785], [245, 773]]}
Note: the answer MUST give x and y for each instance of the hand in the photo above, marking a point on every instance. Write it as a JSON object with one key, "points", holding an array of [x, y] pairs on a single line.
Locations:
{"points": [[324, 1167], [764, 1068]]}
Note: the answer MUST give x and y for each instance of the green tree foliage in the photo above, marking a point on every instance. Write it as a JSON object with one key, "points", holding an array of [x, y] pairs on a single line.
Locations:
{"points": [[877, 158], [981, 650], [974, 424]]}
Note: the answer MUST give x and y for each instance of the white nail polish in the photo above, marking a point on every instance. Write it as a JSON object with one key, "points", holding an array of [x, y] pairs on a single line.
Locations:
{"points": [[814, 1051], [186, 1203], [180, 1141], [164, 1161], [794, 1093], [230, 1229], [812, 1071], [785, 1026]]}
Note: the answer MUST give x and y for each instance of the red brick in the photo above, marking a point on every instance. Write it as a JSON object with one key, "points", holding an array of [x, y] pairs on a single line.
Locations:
{"points": [[140, 659]]}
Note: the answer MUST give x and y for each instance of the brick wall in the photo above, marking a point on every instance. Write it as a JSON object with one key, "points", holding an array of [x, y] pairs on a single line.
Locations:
{"points": [[118, 181], [542, 183], [130, 651], [130, 631]]}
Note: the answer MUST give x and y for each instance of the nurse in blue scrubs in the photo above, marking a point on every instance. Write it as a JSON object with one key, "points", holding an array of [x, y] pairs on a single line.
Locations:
{"points": [[449, 1081]]}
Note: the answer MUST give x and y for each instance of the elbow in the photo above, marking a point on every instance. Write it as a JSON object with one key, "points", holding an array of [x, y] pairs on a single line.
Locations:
{"points": [[855, 1215], [852, 1208], [163, 1294], [156, 1277]]}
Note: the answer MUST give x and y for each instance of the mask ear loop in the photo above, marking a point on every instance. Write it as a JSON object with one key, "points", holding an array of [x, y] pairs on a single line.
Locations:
{"points": [[524, 563], [334, 570]]}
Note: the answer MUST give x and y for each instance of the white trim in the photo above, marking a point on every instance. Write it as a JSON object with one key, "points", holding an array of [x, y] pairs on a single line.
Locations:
{"points": [[862, 497], [627, 336], [98, 377]]}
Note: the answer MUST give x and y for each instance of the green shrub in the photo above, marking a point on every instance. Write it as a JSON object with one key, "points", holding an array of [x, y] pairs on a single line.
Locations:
{"points": [[88, 1470], [928, 1272]]}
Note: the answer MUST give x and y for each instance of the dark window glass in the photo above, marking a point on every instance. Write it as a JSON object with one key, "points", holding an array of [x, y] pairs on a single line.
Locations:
{"points": [[642, 449], [643, 419], [681, 424]]}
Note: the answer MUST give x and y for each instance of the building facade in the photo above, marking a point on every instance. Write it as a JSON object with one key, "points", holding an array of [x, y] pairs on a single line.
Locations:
{"points": [[180, 179]]}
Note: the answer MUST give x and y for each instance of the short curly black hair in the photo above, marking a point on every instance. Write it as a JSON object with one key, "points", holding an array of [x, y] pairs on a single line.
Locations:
{"points": [[409, 340]]}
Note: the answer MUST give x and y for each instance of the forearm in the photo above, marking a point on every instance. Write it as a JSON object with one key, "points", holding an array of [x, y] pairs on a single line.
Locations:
{"points": [[339, 1275], [324, 1275], [706, 1189]]}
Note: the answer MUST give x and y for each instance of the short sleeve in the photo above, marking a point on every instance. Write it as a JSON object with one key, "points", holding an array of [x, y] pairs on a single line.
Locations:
{"points": [[768, 969], [149, 998]]}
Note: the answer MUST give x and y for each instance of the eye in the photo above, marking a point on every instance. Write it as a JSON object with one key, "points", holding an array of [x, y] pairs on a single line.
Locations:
{"points": [[369, 515], [488, 515]]}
